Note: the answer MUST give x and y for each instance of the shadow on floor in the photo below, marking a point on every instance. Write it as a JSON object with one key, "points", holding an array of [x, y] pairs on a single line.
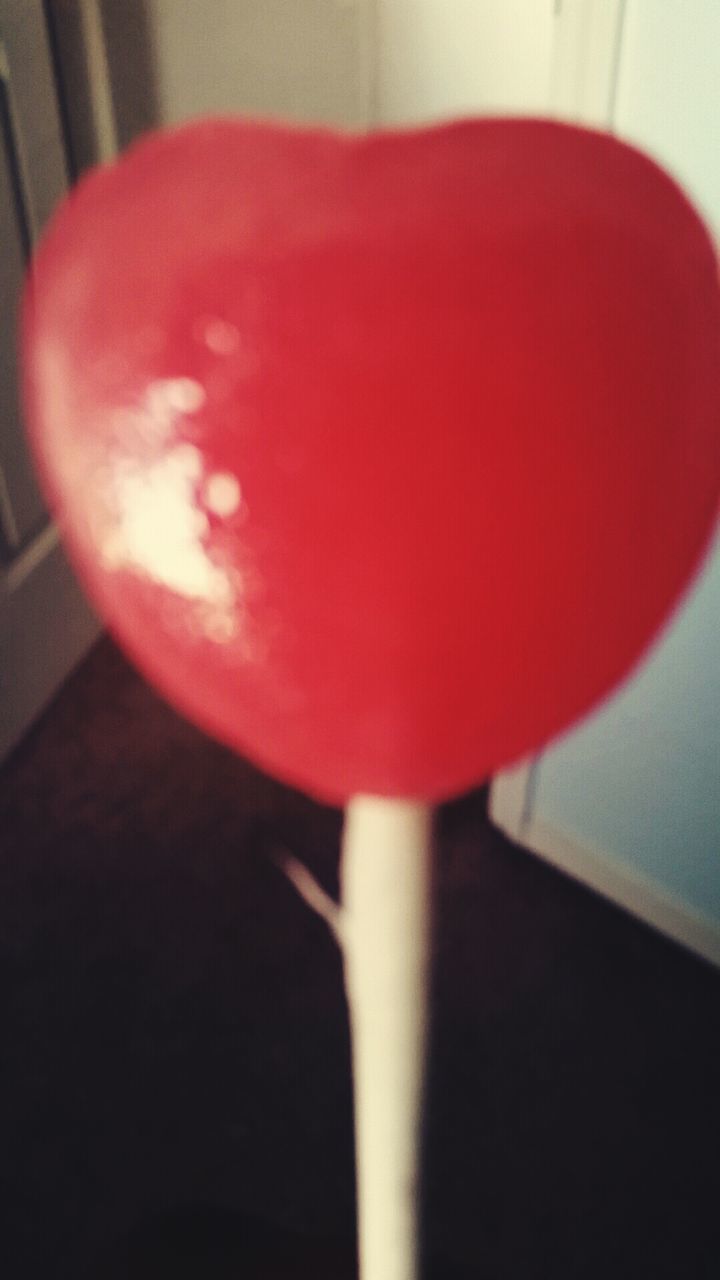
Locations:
{"points": [[174, 1030]]}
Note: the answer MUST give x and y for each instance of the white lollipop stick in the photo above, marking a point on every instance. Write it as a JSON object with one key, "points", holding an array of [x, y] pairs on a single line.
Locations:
{"points": [[384, 933], [382, 926]]}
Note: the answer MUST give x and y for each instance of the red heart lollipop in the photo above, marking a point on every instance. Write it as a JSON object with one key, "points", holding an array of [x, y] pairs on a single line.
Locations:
{"points": [[384, 457]]}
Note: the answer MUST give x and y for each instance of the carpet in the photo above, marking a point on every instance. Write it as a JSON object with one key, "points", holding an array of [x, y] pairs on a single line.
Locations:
{"points": [[174, 1067]]}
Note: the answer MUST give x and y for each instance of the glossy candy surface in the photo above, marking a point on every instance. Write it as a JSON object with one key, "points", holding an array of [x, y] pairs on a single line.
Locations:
{"points": [[384, 457]]}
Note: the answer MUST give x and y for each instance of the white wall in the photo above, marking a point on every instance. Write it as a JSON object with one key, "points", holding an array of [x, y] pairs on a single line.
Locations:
{"points": [[640, 782], [306, 59], [440, 58], [668, 95], [345, 62]]}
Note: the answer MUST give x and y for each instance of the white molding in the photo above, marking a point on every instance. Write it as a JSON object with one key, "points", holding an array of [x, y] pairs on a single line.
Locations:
{"points": [[368, 55], [586, 51], [509, 799], [615, 879]]}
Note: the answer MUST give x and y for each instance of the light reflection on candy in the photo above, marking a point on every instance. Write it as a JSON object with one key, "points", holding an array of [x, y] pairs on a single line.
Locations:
{"points": [[221, 494]]}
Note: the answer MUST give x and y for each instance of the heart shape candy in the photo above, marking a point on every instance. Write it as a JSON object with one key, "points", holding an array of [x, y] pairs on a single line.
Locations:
{"points": [[384, 457]]}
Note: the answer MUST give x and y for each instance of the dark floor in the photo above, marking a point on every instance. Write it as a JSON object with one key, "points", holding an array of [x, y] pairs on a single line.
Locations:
{"points": [[174, 1069]]}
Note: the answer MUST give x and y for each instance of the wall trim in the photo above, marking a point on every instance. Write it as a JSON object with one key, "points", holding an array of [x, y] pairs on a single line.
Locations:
{"points": [[608, 875], [585, 61], [510, 795]]}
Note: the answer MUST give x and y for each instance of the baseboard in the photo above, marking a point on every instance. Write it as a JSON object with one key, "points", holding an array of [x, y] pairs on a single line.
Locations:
{"points": [[510, 797], [607, 875]]}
